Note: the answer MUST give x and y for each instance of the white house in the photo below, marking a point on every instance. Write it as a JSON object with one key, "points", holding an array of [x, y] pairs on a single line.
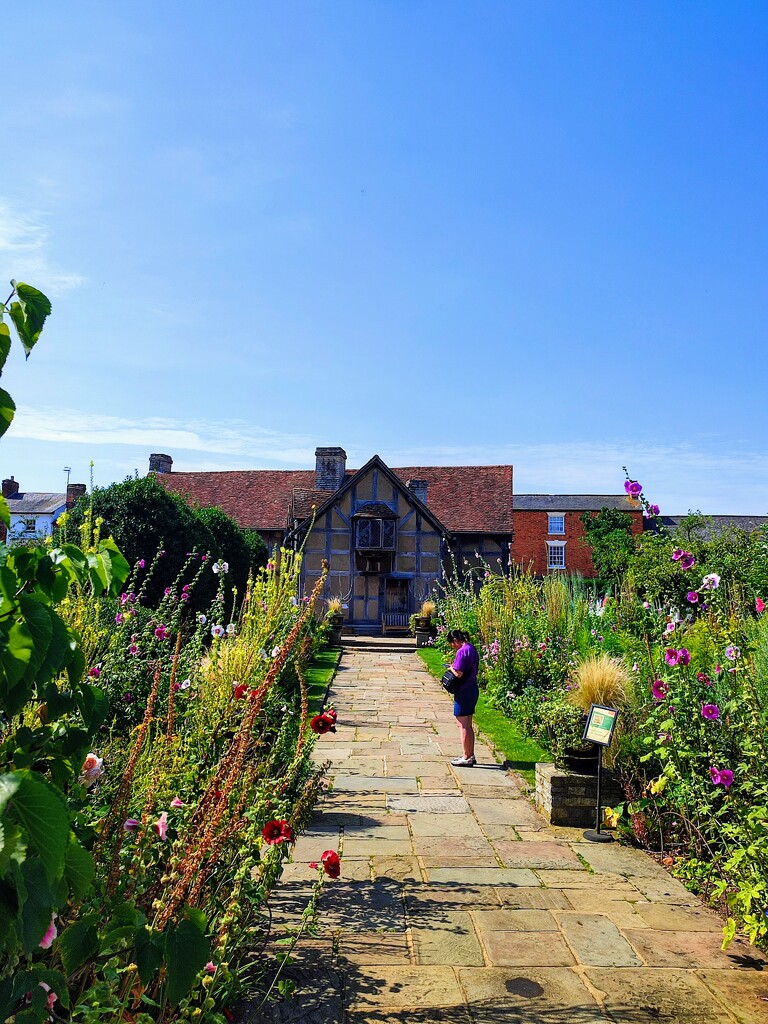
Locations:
{"points": [[33, 513]]}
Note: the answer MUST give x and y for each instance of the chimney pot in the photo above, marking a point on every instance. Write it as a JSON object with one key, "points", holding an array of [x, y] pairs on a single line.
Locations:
{"points": [[330, 468], [160, 463], [419, 488], [10, 487], [74, 491]]}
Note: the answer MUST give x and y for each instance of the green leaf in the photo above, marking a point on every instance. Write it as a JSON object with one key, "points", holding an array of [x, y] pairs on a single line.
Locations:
{"points": [[17, 655], [9, 783], [5, 512], [38, 619], [149, 952], [40, 901], [41, 811], [94, 706], [29, 314], [5, 344], [78, 943], [187, 950], [78, 868], [76, 667], [61, 648], [7, 410]]}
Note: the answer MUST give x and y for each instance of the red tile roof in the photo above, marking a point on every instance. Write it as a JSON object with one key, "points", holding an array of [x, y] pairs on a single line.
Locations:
{"points": [[474, 499]]}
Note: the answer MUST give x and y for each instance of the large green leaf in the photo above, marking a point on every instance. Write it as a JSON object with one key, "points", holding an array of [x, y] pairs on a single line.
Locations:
{"points": [[78, 943], [93, 704], [187, 950], [61, 649], [39, 903], [9, 783], [38, 619], [5, 512], [5, 344], [41, 811], [79, 868], [18, 653], [29, 314], [149, 952], [7, 410]]}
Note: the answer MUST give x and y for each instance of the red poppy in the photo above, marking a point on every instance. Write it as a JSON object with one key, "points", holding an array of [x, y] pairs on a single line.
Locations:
{"points": [[322, 724], [277, 832], [331, 863]]}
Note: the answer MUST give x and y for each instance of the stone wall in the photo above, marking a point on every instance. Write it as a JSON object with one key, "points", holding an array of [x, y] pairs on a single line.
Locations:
{"points": [[565, 798]]}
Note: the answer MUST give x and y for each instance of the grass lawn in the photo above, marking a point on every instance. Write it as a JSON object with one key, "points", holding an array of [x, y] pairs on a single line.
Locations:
{"points": [[520, 753], [319, 674]]}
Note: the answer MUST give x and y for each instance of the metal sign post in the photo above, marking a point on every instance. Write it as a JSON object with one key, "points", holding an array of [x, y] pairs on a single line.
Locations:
{"points": [[601, 723]]}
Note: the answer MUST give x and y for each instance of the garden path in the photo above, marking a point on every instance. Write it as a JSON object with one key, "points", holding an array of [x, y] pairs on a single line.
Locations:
{"points": [[457, 903]]}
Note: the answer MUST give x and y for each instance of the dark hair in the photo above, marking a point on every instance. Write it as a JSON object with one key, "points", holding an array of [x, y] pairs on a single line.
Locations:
{"points": [[457, 634]]}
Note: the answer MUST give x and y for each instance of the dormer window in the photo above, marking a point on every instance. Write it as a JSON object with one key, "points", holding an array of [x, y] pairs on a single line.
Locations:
{"points": [[375, 534]]}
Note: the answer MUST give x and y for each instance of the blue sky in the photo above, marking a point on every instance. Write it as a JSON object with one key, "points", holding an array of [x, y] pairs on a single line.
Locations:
{"points": [[442, 232]]}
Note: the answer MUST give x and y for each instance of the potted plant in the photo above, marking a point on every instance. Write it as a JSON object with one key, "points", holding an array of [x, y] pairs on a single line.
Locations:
{"points": [[599, 679], [334, 612], [423, 621]]}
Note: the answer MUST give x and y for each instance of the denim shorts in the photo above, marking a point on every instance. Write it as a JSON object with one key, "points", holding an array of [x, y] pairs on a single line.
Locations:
{"points": [[465, 700]]}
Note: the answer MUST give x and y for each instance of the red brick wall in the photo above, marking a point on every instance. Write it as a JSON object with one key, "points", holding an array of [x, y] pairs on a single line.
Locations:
{"points": [[530, 544]]}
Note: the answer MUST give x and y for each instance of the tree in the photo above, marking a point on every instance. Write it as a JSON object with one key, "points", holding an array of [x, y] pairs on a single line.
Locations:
{"points": [[609, 536]]}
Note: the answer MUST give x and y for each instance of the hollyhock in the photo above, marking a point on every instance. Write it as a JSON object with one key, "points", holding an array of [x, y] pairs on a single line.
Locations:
{"points": [[92, 769], [133, 649], [161, 825], [331, 863], [217, 631], [141, 563], [167, 591], [704, 678], [710, 582], [721, 778], [646, 604], [732, 652], [176, 802], [633, 488], [202, 619], [670, 656], [240, 690], [677, 554], [692, 597], [322, 724], [710, 711], [210, 967], [176, 687], [687, 561], [331, 713], [131, 825], [47, 940], [683, 656], [759, 605], [94, 672], [659, 689], [118, 619], [186, 684], [231, 629], [52, 997], [275, 832], [161, 632], [670, 627]]}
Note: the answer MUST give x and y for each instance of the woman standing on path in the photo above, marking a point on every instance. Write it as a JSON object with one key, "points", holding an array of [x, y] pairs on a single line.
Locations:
{"points": [[464, 667]]}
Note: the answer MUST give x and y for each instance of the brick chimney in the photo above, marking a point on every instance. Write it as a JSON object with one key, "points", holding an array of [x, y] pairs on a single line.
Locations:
{"points": [[330, 466], [160, 463], [74, 491], [10, 487], [419, 488]]}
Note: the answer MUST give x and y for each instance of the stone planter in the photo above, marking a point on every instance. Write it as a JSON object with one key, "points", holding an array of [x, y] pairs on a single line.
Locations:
{"points": [[565, 798], [337, 624], [422, 623]]}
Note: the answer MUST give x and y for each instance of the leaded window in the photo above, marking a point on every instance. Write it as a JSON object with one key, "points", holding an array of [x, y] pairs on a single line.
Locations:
{"points": [[375, 534]]}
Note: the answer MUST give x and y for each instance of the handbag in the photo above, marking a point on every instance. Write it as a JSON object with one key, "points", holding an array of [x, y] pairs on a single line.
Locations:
{"points": [[450, 683]]}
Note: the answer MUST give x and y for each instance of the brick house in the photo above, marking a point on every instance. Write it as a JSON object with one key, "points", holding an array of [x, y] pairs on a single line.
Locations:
{"points": [[386, 533], [549, 533]]}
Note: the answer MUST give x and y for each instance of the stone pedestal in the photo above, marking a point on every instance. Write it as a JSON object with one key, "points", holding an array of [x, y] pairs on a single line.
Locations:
{"points": [[565, 798], [423, 637]]}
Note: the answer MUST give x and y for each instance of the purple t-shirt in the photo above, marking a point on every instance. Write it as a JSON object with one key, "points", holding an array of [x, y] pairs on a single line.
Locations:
{"points": [[466, 662]]}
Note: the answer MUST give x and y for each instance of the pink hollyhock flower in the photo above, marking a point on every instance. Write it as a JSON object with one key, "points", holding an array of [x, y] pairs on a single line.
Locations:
{"points": [[133, 649], [683, 656], [217, 631], [131, 825], [732, 652], [659, 689], [167, 591], [687, 561], [710, 582], [692, 597], [47, 940], [633, 488], [94, 672], [210, 967], [759, 605], [176, 802], [176, 687], [240, 691], [670, 656], [721, 778], [670, 627], [646, 604], [161, 825], [92, 769], [118, 619], [710, 711], [161, 632], [677, 554], [704, 678], [141, 563], [52, 997]]}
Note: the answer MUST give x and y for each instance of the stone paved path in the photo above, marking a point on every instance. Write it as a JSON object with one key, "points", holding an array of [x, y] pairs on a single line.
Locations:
{"points": [[457, 903]]}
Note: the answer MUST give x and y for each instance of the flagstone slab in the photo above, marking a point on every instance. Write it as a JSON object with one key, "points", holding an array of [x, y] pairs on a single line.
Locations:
{"points": [[507, 833], [665, 889], [410, 1015], [400, 868], [458, 864], [437, 786], [527, 949], [745, 993], [424, 986], [433, 901], [644, 995], [357, 783], [380, 832], [536, 855], [429, 804], [374, 949], [691, 950], [680, 919], [595, 940], [378, 847], [425, 824], [487, 775], [575, 878], [362, 906], [496, 811], [509, 920], [452, 942], [622, 860], [485, 876], [528, 995], [532, 898], [452, 847]]}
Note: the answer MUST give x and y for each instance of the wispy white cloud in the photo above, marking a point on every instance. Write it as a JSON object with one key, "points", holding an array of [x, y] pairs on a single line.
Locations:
{"points": [[25, 252], [713, 478]]}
